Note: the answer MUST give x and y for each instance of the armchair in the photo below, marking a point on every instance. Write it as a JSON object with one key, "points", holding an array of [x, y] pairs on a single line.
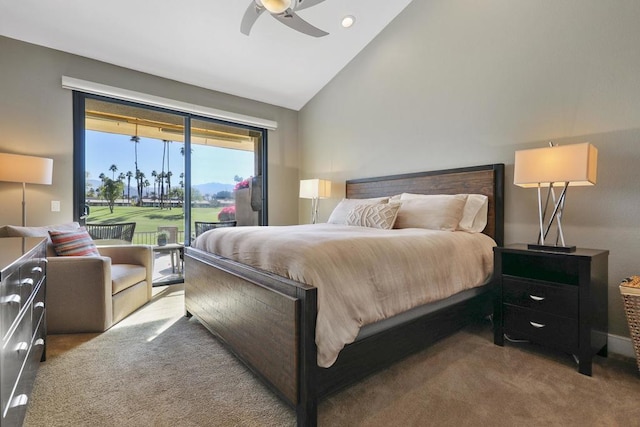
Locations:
{"points": [[92, 293]]}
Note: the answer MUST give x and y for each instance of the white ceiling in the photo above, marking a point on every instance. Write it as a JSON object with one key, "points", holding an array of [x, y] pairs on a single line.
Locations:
{"points": [[199, 41]]}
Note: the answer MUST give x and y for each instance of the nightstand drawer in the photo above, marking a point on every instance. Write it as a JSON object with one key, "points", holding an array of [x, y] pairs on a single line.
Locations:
{"points": [[542, 266], [555, 299], [542, 328]]}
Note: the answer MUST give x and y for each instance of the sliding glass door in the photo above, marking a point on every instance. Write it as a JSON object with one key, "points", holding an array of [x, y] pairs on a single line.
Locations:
{"points": [[163, 170]]}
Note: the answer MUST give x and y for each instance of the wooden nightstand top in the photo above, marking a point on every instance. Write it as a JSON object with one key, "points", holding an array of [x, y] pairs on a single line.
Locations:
{"points": [[522, 248]]}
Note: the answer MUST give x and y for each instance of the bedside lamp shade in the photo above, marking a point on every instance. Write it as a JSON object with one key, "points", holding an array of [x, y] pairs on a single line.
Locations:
{"points": [[27, 170], [569, 165], [576, 164], [315, 189]]}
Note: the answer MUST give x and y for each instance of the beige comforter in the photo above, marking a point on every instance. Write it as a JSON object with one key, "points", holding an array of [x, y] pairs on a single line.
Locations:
{"points": [[363, 275]]}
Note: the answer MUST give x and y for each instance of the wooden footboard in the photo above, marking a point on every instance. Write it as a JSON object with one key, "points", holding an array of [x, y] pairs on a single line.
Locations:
{"points": [[267, 321]]}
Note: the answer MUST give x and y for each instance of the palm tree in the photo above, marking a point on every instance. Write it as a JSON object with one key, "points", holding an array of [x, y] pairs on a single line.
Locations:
{"points": [[136, 140], [169, 173], [121, 178], [102, 176], [113, 169], [129, 176], [154, 174], [147, 184]]}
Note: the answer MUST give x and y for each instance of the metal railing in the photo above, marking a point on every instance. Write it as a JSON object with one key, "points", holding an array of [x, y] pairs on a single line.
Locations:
{"points": [[151, 237]]}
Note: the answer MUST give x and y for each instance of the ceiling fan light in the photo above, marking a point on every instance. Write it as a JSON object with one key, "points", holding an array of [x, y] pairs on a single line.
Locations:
{"points": [[276, 6]]}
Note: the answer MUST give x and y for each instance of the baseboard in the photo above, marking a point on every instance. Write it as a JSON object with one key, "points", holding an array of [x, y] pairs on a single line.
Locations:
{"points": [[620, 345]]}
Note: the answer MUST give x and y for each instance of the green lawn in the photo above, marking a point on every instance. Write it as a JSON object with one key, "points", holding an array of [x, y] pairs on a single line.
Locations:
{"points": [[148, 218]]}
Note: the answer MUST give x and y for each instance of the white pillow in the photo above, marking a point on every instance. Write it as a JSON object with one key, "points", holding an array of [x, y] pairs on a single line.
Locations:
{"points": [[339, 214], [434, 212], [474, 215], [381, 215]]}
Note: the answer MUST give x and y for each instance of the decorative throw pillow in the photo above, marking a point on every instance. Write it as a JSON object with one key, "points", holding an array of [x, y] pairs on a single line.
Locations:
{"points": [[73, 243], [374, 216], [434, 212], [339, 214]]}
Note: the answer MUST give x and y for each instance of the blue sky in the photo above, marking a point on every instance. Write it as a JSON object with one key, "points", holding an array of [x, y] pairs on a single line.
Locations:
{"points": [[208, 164]]}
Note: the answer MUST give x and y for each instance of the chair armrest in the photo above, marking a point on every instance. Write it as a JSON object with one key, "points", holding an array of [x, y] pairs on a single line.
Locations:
{"points": [[79, 294], [132, 254]]}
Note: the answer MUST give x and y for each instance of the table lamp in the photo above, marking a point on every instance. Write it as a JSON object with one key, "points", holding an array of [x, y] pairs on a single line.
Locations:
{"points": [[315, 189], [555, 167]]}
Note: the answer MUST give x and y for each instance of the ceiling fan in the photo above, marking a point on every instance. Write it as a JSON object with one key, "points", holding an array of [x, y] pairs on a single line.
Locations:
{"points": [[283, 11]]}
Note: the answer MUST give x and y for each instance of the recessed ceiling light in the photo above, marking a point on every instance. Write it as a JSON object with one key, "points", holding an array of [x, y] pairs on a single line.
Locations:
{"points": [[348, 21]]}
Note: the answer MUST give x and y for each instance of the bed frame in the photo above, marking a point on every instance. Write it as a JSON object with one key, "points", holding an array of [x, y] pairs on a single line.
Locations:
{"points": [[269, 321]]}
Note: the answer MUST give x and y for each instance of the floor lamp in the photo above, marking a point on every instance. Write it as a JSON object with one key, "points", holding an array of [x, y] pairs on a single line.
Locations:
{"points": [[315, 189], [555, 167], [27, 170]]}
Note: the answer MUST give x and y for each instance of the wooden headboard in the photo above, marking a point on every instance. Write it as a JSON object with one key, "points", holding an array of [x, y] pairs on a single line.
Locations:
{"points": [[487, 180]]}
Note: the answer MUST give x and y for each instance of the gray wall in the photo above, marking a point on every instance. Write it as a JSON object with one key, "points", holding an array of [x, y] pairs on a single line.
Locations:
{"points": [[36, 119], [455, 83]]}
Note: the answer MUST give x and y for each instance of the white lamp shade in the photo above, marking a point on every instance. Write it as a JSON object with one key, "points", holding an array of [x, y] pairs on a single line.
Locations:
{"points": [[26, 169], [315, 189], [576, 164]]}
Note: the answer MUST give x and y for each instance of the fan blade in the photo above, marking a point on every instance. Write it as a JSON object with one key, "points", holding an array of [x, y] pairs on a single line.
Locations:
{"points": [[250, 17], [292, 20], [305, 4]]}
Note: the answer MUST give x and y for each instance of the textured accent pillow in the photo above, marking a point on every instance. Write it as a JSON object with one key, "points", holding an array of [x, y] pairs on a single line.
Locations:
{"points": [[374, 216], [339, 214], [434, 212], [73, 243]]}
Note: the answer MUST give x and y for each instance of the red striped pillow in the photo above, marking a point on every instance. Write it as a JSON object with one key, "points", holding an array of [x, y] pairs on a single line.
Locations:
{"points": [[73, 243]]}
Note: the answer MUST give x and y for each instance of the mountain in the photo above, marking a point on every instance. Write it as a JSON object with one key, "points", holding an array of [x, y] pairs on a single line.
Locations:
{"points": [[213, 187], [208, 188]]}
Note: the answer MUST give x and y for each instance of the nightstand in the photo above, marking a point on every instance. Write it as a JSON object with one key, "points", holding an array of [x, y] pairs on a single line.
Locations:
{"points": [[558, 300]]}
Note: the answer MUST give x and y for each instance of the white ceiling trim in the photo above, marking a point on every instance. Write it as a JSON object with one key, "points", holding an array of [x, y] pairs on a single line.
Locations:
{"points": [[158, 101]]}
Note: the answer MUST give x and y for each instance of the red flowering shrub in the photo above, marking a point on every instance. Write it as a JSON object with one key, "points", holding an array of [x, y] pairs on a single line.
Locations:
{"points": [[228, 213], [243, 184]]}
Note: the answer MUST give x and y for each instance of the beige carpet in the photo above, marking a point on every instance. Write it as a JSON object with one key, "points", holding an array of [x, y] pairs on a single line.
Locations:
{"points": [[157, 368]]}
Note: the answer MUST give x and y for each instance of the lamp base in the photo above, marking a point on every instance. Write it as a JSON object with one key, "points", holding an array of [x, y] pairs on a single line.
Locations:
{"points": [[551, 248]]}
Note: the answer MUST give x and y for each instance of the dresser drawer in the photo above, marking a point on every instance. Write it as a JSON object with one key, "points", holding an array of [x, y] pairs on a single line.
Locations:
{"points": [[14, 352], [555, 299], [31, 273], [17, 404], [38, 307], [541, 327], [10, 301]]}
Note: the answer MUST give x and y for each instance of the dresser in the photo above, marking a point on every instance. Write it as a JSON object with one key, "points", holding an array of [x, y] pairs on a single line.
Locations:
{"points": [[558, 300], [22, 322]]}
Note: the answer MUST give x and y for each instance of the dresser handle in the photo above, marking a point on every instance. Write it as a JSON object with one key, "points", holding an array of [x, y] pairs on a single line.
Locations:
{"points": [[22, 346], [27, 281], [19, 400], [537, 325], [536, 298], [39, 304], [13, 298], [39, 341], [36, 269]]}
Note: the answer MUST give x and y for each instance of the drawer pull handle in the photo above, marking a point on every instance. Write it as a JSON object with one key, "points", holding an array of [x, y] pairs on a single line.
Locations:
{"points": [[9, 299], [27, 281], [22, 346], [536, 298], [39, 305], [39, 341], [36, 270], [19, 400], [537, 325]]}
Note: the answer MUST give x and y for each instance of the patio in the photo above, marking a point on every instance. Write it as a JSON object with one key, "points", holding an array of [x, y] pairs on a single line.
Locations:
{"points": [[163, 272]]}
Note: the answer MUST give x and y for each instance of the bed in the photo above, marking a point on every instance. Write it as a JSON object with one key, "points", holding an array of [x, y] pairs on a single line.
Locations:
{"points": [[269, 321]]}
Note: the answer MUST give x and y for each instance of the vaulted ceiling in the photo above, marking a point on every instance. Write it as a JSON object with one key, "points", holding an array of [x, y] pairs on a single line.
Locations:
{"points": [[199, 41]]}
